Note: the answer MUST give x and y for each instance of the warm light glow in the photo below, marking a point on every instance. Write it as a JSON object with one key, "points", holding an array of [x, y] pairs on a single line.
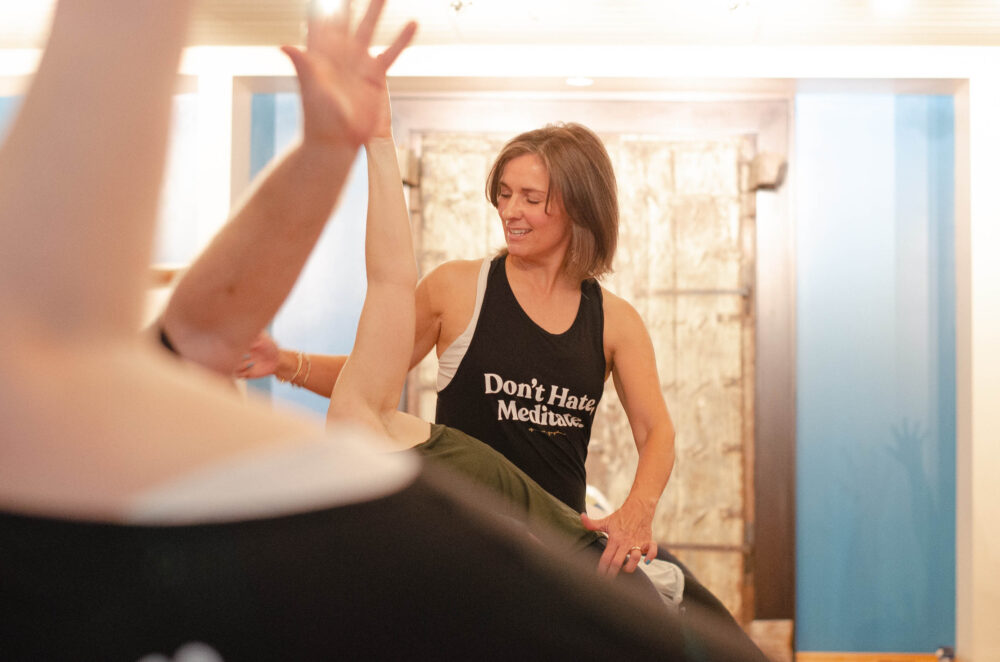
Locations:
{"points": [[579, 81], [889, 8], [17, 63], [327, 7]]}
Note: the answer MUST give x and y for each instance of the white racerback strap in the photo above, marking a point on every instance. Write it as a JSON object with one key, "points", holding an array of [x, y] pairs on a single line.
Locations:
{"points": [[452, 357]]}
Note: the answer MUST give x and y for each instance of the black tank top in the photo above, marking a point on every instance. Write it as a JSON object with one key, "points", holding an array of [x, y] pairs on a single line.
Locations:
{"points": [[528, 393]]}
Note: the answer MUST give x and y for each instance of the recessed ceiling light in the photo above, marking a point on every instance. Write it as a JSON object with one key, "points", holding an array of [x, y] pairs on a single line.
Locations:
{"points": [[579, 81]]}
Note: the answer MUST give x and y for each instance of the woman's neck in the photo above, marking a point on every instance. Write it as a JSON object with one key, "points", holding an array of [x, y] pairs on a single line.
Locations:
{"points": [[543, 277]]}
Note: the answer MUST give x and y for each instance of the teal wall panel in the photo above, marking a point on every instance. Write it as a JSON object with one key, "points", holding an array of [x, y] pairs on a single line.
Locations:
{"points": [[875, 375]]}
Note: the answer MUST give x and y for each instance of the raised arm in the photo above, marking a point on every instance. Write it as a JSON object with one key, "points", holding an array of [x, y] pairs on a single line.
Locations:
{"points": [[90, 416], [238, 283], [75, 253], [372, 379]]}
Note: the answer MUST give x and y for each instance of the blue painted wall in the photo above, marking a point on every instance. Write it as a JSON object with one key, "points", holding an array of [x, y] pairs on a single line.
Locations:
{"points": [[876, 373], [8, 105], [321, 314]]}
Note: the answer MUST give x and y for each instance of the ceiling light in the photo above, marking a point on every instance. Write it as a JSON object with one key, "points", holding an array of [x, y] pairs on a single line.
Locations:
{"points": [[579, 81]]}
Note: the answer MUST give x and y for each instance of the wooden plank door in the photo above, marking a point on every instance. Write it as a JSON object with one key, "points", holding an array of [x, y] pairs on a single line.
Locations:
{"points": [[685, 261]]}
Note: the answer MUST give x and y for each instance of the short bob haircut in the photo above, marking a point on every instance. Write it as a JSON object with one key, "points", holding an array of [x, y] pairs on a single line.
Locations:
{"points": [[582, 179]]}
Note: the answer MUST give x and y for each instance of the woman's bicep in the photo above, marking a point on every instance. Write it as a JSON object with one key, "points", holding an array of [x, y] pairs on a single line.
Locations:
{"points": [[636, 378], [445, 299]]}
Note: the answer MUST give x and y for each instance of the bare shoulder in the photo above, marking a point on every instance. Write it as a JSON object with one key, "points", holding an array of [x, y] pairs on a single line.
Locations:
{"points": [[621, 319], [454, 271], [451, 280], [446, 297]]}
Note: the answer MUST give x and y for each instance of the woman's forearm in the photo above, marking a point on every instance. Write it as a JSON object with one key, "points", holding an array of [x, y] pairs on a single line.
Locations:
{"points": [[656, 462], [315, 372]]}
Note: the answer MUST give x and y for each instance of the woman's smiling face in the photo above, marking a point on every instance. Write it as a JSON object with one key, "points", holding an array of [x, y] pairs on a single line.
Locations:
{"points": [[535, 224]]}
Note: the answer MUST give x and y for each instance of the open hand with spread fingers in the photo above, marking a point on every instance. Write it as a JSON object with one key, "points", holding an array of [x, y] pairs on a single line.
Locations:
{"points": [[341, 83]]}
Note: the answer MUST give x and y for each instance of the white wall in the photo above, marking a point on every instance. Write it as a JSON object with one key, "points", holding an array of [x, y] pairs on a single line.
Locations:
{"points": [[978, 286]]}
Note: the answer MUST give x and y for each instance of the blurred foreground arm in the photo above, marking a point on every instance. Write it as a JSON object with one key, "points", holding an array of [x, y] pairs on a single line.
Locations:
{"points": [[237, 285], [81, 168]]}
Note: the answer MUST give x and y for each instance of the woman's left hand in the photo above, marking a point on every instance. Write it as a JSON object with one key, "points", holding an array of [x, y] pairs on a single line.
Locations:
{"points": [[630, 537], [261, 360]]}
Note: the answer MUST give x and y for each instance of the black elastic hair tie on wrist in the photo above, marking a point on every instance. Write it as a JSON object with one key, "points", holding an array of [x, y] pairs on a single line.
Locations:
{"points": [[165, 341]]}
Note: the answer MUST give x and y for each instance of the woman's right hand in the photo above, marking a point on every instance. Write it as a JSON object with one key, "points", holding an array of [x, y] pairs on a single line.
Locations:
{"points": [[261, 360], [340, 83]]}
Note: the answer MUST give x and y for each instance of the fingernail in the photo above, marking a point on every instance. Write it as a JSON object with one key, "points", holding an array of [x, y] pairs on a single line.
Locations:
{"points": [[246, 356], [648, 561], [250, 365]]}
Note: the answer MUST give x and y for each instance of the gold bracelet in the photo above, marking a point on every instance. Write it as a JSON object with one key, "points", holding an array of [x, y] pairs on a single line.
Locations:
{"points": [[309, 366], [298, 368]]}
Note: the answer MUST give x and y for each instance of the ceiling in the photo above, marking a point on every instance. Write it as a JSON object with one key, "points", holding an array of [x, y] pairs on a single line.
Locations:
{"points": [[591, 22]]}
